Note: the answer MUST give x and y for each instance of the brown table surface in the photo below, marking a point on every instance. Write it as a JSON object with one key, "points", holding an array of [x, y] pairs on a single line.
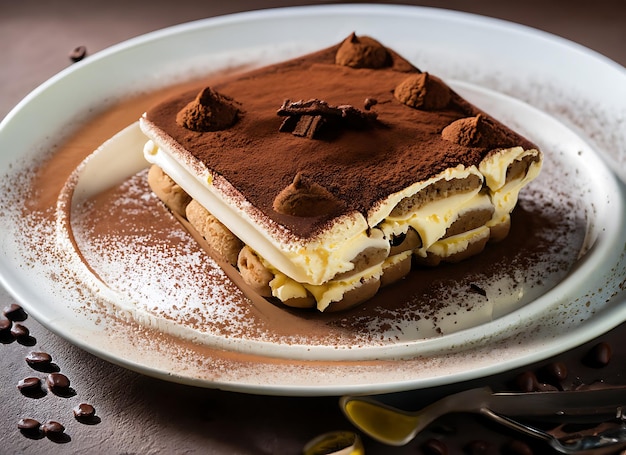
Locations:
{"points": [[139, 414]]}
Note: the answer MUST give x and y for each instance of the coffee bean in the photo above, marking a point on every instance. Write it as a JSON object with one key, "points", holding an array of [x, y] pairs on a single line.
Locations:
{"points": [[57, 381], [435, 447], [55, 431], [30, 383], [599, 355], [15, 313], [20, 331], [31, 387], [517, 448], [5, 330], [527, 382], [477, 447], [52, 427], [84, 411], [28, 424], [30, 428], [557, 371], [5, 324], [59, 384], [41, 361], [38, 358], [78, 53]]}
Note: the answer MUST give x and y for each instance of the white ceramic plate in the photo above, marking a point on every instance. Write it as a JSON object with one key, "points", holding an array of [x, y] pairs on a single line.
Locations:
{"points": [[549, 99]]}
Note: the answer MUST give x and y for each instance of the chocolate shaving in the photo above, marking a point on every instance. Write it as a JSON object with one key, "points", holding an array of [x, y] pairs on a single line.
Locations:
{"points": [[309, 118], [369, 102], [477, 289], [308, 125]]}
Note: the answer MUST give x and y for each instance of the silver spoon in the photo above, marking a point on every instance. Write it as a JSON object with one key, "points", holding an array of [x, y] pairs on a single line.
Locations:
{"points": [[604, 442], [397, 427]]}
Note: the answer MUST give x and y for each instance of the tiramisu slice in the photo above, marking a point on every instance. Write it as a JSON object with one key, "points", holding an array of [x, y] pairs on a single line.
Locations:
{"points": [[324, 177]]}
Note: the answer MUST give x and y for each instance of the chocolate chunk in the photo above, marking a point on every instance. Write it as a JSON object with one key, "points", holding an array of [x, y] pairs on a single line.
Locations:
{"points": [[78, 53], [15, 313], [349, 114], [41, 361], [52, 426], [308, 126], [313, 117], [21, 333], [86, 414]]}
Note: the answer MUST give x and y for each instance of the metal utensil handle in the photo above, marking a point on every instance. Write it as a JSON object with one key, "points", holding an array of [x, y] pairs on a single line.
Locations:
{"points": [[608, 441]]}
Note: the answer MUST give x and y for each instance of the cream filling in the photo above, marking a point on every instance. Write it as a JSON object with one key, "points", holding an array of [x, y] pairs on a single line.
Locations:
{"points": [[333, 291], [383, 210], [495, 166], [284, 288], [505, 199], [432, 220], [314, 263], [458, 243]]}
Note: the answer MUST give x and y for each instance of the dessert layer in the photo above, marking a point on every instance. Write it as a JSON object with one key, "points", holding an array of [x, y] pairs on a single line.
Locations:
{"points": [[373, 268]]}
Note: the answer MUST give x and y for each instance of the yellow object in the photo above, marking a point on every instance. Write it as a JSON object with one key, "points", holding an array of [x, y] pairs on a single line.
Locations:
{"points": [[335, 443]]}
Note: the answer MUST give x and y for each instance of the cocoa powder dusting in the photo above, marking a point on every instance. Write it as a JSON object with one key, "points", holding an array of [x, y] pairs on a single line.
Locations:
{"points": [[304, 198], [358, 167], [209, 111], [423, 91], [478, 131], [362, 52]]}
